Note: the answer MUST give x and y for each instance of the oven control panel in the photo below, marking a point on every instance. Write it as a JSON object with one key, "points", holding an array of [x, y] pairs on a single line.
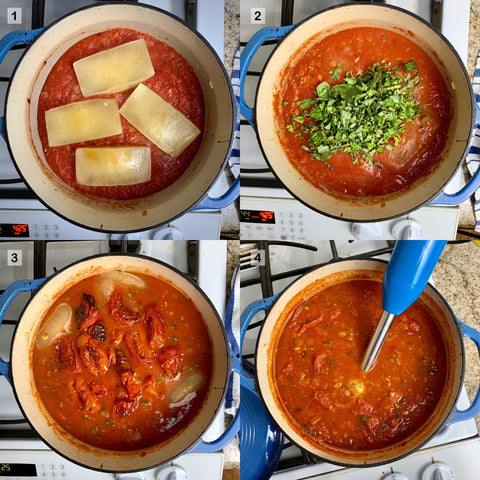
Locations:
{"points": [[44, 225], [45, 464], [286, 219]]}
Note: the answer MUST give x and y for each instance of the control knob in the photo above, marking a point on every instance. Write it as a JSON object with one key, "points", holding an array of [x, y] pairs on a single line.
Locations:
{"points": [[172, 472], [438, 471], [130, 476], [168, 233], [366, 231], [407, 230]]}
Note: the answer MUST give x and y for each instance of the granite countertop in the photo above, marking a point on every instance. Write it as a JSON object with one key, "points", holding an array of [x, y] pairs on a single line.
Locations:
{"points": [[457, 278]]}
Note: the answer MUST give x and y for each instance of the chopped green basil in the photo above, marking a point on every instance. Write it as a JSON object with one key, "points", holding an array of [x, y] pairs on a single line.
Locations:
{"points": [[361, 116]]}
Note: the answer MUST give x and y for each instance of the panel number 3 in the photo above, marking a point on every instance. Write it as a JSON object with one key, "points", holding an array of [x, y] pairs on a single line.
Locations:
{"points": [[257, 15], [14, 258]]}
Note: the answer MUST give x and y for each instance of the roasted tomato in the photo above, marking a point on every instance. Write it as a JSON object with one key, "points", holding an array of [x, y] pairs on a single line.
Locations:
{"points": [[122, 308], [170, 360], [136, 344], [153, 321], [88, 400], [87, 313], [66, 356], [98, 332], [94, 358]]}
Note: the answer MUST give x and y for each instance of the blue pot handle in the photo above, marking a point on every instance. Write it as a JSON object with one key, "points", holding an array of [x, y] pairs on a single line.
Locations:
{"points": [[474, 409], [251, 48], [10, 293], [231, 431], [245, 319], [223, 201], [463, 194], [234, 427], [7, 42], [470, 187]]}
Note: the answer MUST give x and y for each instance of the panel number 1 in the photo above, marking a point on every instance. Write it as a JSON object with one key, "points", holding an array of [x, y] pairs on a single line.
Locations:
{"points": [[14, 15]]}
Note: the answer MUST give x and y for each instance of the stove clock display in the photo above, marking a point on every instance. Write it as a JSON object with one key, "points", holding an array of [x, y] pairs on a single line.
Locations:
{"points": [[18, 470]]}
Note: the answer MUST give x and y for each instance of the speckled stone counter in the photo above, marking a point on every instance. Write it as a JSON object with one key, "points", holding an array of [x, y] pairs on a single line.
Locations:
{"points": [[457, 278], [232, 32], [474, 36]]}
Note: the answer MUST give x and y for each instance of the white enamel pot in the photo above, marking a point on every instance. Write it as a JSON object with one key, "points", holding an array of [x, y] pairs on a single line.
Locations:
{"points": [[19, 370], [278, 308], [427, 190], [21, 133]]}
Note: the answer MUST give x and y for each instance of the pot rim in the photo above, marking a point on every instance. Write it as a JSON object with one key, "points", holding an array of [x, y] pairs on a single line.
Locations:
{"points": [[455, 394], [113, 452], [460, 160], [201, 195]]}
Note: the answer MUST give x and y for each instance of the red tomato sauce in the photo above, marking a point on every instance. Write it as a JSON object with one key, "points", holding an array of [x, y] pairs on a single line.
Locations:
{"points": [[319, 381], [109, 377], [174, 80], [355, 49]]}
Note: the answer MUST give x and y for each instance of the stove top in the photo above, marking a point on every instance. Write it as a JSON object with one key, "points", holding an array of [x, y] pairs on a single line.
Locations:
{"points": [[20, 447], [268, 267], [19, 205], [268, 210]]}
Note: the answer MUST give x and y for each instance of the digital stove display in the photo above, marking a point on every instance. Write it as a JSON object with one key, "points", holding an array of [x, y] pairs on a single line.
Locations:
{"points": [[257, 216], [13, 230], [18, 470]]}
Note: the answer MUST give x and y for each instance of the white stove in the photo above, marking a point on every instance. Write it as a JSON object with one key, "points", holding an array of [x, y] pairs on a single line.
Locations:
{"points": [[22, 454], [267, 209], [457, 446], [22, 216]]}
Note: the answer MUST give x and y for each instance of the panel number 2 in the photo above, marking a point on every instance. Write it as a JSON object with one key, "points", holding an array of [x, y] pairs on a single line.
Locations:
{"points": [[14, 15], [257, 15]]}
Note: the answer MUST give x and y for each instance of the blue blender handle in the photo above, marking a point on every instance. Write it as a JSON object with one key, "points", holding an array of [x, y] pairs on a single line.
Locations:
{"points": [[405, 278], [408, 271]]}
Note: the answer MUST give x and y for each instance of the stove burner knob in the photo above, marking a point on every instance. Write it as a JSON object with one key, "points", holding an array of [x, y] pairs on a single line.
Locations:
{"points": [[395, 476], [366, 231], [438, 471], [171, 473], [168, 233], [407, 230]]}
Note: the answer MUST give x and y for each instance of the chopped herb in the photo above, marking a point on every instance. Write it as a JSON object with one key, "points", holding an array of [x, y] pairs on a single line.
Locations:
{"points": [[335, 73], [410, 66], [361, 116], [285, 103]]}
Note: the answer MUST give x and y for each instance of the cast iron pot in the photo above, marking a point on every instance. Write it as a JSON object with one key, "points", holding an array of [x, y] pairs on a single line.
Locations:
{"points": [[19, 372], [452, 331], [365, 208], [20, 128]]}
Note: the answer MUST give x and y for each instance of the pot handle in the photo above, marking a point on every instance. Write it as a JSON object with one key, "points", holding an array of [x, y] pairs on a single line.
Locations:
{"points": [[249, 51], [467, 190], [7, 297], [474, 409], [246, 317], [223, 201], [227, 436], [7, 43], [234, 427], [463, 194]]}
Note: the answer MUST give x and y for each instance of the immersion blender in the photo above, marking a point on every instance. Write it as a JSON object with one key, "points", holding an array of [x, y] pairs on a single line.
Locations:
{"points": [[405, 278]]}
